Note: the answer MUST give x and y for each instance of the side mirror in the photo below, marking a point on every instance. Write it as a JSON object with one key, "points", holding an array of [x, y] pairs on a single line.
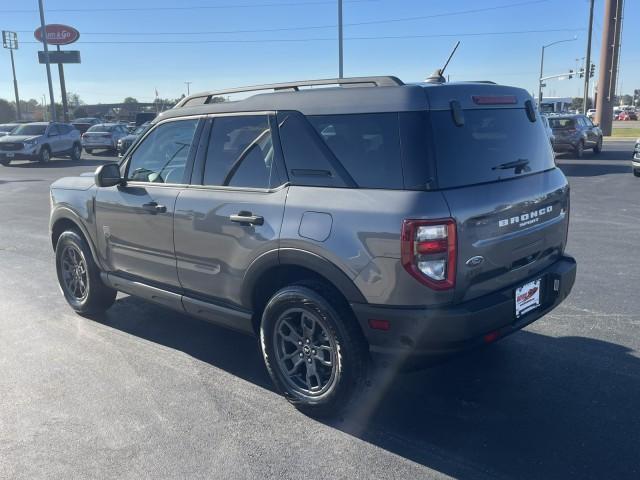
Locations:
{"points": [[108, 175]]}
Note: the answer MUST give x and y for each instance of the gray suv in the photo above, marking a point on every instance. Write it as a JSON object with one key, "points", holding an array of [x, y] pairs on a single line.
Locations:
{"points": [[40, 141], [370, 222]]}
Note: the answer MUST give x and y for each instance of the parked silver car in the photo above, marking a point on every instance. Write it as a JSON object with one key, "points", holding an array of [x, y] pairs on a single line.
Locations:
{"points": [[103, 136], [40, 141]]}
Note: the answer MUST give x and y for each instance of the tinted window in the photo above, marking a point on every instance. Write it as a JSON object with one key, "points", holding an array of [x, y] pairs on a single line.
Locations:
{"points": [[562, 123], [64, 129], [367, 145], [100, 128], [309, 161], [240, 152], [53, 130], [473, 153], [30, 130], [162, 155]]}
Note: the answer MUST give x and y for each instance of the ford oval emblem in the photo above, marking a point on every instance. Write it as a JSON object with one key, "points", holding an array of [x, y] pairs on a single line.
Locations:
{"points": [[475, 261]]}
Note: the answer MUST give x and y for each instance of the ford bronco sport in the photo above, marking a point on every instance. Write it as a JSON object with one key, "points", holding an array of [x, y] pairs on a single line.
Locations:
{"points": [[339, 225]]}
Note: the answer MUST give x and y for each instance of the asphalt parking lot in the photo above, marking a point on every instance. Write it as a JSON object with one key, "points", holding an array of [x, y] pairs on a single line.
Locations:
{"points": [[147, 393]]}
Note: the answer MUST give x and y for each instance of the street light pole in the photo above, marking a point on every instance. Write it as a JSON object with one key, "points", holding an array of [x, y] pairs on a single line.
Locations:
{"points": [[587, 64], [46, 57], [542, 65], [340, 36], [10, 41], [188, 89]]}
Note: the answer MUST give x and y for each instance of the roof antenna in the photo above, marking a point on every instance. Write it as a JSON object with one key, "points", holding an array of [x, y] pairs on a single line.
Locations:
{"points": [[437, 76]]}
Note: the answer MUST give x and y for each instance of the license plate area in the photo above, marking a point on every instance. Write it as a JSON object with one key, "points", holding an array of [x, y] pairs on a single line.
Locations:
{"points": [[527, 297]]}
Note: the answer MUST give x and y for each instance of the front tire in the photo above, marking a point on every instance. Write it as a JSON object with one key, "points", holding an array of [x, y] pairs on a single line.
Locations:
{"points": [[45, 155], [313, 349], [79, 276]]}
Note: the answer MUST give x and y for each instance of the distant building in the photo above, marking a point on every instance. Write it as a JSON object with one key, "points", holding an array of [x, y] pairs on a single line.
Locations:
{"points": [[555, 104]]}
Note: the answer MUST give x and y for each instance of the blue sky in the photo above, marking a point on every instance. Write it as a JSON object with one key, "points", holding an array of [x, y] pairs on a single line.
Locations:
{"points": [[109, 72]]}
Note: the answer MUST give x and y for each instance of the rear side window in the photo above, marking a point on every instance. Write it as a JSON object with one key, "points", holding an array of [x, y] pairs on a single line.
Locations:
{"points": [[240, 153], [477, 151], [367, 146]]}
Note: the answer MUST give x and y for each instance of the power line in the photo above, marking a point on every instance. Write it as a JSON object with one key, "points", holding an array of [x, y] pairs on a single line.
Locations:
{"points": [[320, 39], [195, 7]]}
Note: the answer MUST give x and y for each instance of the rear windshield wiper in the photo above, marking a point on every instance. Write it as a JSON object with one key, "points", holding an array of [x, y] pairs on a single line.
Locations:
{"points": [[520, 165]]}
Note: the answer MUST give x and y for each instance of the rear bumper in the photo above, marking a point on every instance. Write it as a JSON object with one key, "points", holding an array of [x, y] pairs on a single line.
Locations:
{"points": [[563, 146], [419, 334]]}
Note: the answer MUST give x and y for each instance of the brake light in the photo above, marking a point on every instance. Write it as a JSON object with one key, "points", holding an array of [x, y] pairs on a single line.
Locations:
{"points": [[494, 99], [429, 251]]}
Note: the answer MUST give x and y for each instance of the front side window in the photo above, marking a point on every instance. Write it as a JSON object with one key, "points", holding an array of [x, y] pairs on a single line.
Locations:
{"points": [[240, 152], [162, 155]]}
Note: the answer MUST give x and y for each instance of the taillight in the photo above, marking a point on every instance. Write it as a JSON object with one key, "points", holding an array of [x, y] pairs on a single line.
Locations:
{"points": [[429, 251]]}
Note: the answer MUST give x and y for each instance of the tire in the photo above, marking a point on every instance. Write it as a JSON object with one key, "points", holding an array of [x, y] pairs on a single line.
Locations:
{"points": [[579, 150], [88, 150], [76, 152], [5, 162], [337, 373], [598, 147], [636, 172], [45, 155], [75, 267]]}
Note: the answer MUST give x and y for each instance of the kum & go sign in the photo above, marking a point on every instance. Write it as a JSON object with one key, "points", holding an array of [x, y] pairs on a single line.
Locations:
{"points": [[58, 34]]}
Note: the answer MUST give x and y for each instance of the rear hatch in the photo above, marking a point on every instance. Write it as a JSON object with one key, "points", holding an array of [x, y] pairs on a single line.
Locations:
{"points": [[563, 127], [496, 170]]}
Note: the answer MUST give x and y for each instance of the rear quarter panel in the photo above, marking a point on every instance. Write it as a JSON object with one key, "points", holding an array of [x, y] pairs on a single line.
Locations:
{"points": [[363, 237]]}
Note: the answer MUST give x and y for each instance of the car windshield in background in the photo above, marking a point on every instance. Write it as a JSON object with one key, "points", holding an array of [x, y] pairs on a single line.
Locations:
{"points": [[488, 140], [562, 122], [83, 120], [30, 130], [100, 128], [7, 128]]}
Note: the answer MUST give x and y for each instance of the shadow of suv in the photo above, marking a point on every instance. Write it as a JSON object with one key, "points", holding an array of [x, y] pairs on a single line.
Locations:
{"points": [[345, 227]]}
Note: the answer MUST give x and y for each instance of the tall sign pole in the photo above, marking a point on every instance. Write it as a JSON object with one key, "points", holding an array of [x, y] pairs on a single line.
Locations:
{"points": [[63, 90], [46, 55], [340, 40], [587, 63], [10, 41]]}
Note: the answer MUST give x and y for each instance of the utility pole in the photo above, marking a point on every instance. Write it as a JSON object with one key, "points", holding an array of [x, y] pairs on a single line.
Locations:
{"points": [[340, 41], [587, 64], [46, 56], [10, 41], [612, 23], [188, 89]]}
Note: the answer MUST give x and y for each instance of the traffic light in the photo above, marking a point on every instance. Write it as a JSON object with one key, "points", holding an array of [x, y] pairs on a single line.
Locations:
{"points": [[581, 72], [570, 74], [592, 70]]}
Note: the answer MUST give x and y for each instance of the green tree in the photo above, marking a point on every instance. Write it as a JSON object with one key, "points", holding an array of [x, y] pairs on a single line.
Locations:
{"points": [[7, 111], [130, 100], [80, 112], [576, 103]]}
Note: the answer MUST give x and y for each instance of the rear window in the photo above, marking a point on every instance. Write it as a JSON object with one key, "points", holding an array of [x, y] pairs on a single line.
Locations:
{"points": [[473, 153], [562, 122], [100, 128]]}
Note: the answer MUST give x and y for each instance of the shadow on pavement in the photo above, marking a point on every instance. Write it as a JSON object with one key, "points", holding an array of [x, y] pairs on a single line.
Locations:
{"points": [[528, 407], [594, 169]]}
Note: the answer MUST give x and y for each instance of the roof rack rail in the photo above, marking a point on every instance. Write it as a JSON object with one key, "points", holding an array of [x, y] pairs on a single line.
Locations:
{"points": [[205, 97]]}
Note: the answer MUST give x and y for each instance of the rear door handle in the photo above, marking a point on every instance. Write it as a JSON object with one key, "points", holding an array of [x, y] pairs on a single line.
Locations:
{"points": [[247, 218], [153, 207]]}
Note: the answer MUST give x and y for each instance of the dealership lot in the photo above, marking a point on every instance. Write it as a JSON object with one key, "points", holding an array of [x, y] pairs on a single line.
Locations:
{"points": [[146, 392]]}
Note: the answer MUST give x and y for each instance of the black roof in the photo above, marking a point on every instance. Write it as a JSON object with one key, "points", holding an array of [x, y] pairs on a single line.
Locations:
{"points": [[349, 95]]}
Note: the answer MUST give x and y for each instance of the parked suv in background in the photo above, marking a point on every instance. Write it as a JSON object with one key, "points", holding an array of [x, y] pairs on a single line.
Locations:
{"points": [[575, 133], [40, 141], [340, 225], [103, 136]]}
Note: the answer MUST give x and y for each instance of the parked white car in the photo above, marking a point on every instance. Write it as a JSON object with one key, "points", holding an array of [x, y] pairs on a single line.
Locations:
{"points": [[103, 136], [591, 113]]}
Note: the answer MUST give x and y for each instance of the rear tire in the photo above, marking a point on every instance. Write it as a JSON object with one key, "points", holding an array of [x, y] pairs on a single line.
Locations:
{"points": [[313, 349], [636, 172], [598, 147], [76, 152], [79, 276], [579, 150], [45, 155], [88, 150], [5, 162]]}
